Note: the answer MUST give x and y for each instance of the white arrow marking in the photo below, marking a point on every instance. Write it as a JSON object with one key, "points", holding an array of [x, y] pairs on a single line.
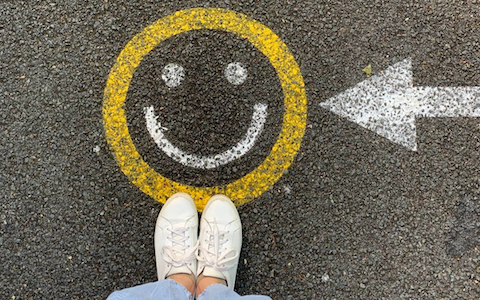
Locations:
{"points": [[207, 162], [388, 103]]}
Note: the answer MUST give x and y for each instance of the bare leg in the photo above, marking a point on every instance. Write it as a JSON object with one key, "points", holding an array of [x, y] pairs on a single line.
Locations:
{"points": [[187, 280], [205, 281]]}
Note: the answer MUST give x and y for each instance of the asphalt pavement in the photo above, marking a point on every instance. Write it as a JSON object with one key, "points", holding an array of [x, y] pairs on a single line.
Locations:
{"points": [[355, 216]]}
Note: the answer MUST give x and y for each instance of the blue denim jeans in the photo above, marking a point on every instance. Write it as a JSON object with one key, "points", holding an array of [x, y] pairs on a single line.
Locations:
{"points": [[170, 290]]}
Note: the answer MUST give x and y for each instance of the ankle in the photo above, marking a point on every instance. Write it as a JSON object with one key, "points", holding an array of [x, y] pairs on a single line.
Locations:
{"points": [[205, 281], [187, 280]]}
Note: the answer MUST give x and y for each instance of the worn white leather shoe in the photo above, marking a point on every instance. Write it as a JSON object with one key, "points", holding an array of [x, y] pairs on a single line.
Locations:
{"points": [[220, 240], [176, 236]]}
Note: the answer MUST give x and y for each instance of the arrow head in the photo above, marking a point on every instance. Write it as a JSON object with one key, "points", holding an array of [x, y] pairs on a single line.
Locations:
{"points": [[384, 103]]}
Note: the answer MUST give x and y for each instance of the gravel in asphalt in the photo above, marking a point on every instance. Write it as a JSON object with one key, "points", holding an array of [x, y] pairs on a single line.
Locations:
{"points": [[355, 217]]}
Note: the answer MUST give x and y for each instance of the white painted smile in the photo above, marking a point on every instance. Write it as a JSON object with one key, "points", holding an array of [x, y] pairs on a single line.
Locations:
{"points": [[207, 162], [236, 74]]}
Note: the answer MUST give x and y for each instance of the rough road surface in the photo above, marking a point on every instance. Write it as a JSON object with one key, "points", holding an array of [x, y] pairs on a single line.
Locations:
{"points": [[356, 216]]}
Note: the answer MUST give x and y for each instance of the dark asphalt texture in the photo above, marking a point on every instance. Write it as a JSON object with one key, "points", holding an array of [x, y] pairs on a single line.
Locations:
{"points": [[355, 216]]}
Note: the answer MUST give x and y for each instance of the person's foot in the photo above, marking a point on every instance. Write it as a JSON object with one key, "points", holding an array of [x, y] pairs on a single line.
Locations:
{"points": [[176, 237], [220, 242]]}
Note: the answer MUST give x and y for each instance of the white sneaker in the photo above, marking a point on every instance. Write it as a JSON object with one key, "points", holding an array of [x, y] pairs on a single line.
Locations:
{"points": [[176, 236], [220, 240]]}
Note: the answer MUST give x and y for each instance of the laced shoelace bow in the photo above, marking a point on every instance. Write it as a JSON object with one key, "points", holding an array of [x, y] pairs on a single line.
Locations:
{"points": [[178, 254], [210, 253]]}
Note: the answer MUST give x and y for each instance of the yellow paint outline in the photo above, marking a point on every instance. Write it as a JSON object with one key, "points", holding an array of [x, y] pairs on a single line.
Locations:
{"points": [[283, 152]]}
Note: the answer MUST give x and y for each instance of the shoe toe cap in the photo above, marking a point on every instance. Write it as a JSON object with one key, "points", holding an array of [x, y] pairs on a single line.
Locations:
{"points": [[179, 207], [222, 209]]}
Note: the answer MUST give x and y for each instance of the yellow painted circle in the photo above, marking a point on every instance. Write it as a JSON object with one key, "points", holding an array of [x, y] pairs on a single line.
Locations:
{"points": [[283, 152]]}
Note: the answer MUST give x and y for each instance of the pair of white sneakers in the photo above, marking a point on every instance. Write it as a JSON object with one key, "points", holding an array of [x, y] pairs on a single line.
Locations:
{"points": [[216, 250]]}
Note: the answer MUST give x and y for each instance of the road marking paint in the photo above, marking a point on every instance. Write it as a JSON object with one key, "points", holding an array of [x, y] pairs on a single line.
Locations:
{"points": [[207, 162], [388, 103], [173, 75], [235, 73], [289, 140]]}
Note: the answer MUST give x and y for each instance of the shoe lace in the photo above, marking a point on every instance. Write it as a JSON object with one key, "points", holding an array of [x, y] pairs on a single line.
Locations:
{"points": [[179, 253], [211, 252]]}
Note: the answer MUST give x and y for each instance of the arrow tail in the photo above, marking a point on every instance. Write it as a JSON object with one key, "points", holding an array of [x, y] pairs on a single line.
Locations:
{"points": [[449, 102]]}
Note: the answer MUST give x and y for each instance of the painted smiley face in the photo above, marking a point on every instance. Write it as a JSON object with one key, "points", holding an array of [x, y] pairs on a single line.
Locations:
{"points": [[119, 112], [213, 113]]}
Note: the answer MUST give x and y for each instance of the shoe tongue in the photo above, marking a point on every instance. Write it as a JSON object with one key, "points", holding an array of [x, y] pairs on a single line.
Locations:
{"points": [[209, 271]]}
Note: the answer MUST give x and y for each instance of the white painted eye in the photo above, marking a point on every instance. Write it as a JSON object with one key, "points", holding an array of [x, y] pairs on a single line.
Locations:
{"points": [[173, 75], [236, 73]]}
